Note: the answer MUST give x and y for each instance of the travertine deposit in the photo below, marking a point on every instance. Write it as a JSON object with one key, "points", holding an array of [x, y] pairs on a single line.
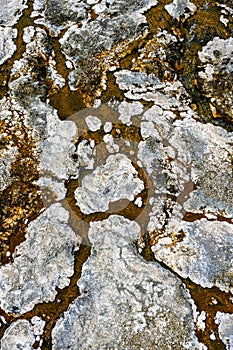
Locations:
{"points": [[225, 322], [117, 179], [41, 264], [116, 223], [122, 295]]}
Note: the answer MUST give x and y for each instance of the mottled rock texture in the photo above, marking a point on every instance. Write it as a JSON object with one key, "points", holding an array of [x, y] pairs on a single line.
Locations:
{"points": [[116, 224], [41, 264], [225, 322], [122, 295], [117, 179]]}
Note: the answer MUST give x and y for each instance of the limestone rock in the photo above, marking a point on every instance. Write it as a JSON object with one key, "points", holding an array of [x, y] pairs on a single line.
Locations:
{"points": [[125, 302], [41, 263], [18, 336], [7, 45], [116, 179], [225, 322]]}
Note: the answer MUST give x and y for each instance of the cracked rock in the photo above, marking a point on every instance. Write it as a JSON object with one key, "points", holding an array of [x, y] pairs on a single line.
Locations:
{"points": [[216, 68], [125, 302], [116, 179], [42, 263]]}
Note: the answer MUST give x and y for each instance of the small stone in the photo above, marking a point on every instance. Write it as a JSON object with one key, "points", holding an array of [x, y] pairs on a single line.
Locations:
{"points": [[138, 202], [181, 8], [107, 127], [212, 336], [93, 123]]}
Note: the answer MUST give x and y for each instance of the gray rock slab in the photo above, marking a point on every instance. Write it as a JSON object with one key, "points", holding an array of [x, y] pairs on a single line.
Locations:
{"points": [[7, 45], [42, 263], [225, 328], [125, 302], [205, 253], [114, 180]]}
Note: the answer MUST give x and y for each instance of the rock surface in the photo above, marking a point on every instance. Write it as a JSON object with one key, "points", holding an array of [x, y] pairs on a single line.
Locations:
{"points": [[121, 296], [225, 322], [18, 336], [117, 179], [42, 263], [146, 88]]}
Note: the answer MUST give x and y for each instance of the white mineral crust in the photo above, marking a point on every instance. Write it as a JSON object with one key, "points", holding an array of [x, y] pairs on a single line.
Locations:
{"points": [[18, 336], [114, 180], [225, 328], [7, 45], [42, 263], [125, 302], [11, 10]]}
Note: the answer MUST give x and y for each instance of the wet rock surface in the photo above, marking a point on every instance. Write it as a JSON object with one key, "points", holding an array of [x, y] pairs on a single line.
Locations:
{"points": [[117, 179], [225, 322], [116, 224], [41, 263], [121, 299]]}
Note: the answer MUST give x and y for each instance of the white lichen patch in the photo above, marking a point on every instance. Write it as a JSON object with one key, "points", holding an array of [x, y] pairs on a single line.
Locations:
{"points": [[225, 328], [141, 86], [18, 336], [181, 9], [114, 180], [42, 263], [7, 45], [125, 302]]}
